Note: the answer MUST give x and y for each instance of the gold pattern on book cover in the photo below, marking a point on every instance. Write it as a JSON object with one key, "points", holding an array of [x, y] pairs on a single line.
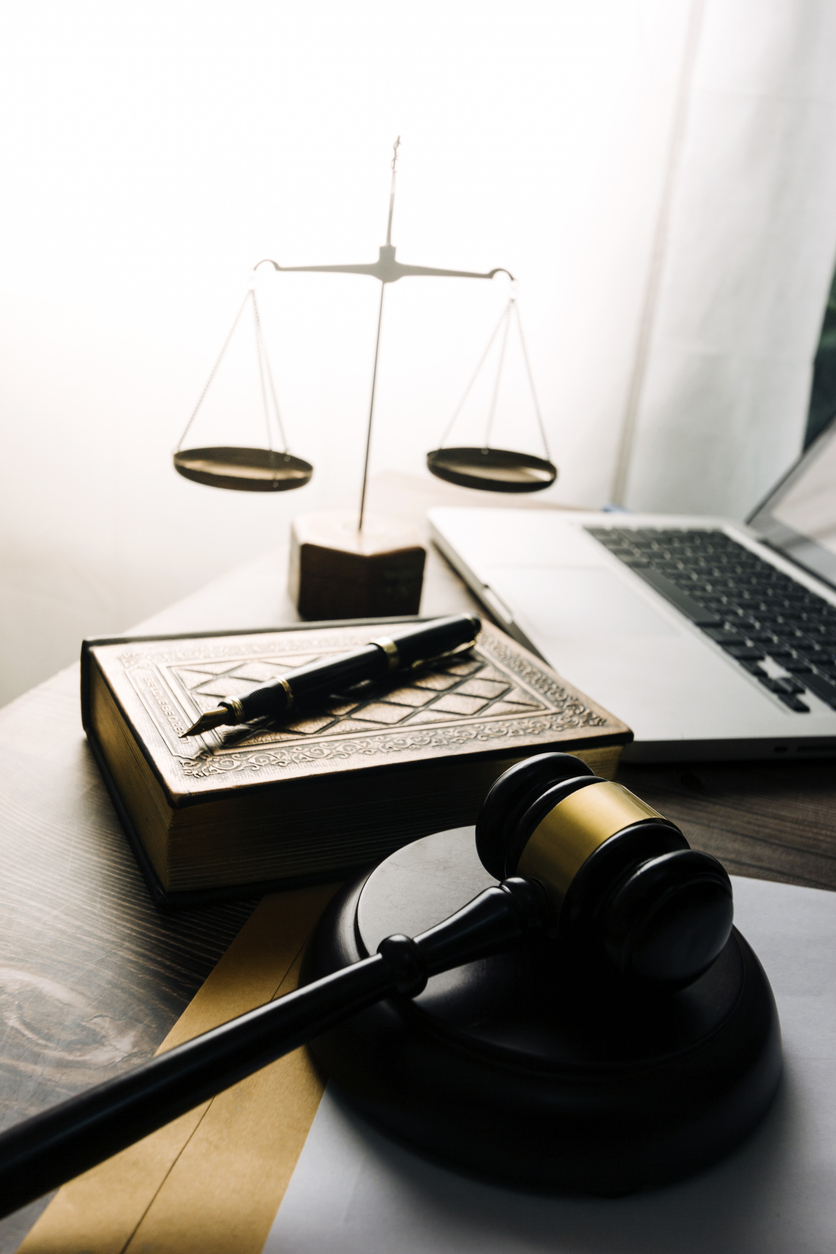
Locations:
{"points": [[492, 695]]}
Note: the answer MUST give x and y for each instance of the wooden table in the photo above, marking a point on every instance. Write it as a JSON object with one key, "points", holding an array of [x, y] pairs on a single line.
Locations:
{"points": [[92, 976]]}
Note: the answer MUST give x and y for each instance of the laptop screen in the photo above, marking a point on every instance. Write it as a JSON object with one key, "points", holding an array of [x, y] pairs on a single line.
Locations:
{"points": [[799, 516]]}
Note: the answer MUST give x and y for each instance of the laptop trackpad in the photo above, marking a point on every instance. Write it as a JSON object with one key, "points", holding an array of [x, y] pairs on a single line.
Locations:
{"points": [[575, 601]]}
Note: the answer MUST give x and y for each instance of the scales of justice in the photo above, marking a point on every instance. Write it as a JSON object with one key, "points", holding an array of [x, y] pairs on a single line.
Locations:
{"points": [[344, 565]]}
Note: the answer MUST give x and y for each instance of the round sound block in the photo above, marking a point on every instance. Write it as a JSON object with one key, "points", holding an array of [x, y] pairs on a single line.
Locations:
{"points": [[521, 1070]]}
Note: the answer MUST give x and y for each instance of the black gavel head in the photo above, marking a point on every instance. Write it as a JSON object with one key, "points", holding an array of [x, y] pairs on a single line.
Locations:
{"points": [[624, 887]]}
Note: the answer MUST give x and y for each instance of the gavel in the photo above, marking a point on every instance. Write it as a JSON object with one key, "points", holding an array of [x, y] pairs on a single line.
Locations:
{"points": [[578, 858]]}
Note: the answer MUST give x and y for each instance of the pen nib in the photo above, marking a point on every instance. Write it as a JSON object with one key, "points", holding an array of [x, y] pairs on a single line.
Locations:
{"points": [[212, 718]]}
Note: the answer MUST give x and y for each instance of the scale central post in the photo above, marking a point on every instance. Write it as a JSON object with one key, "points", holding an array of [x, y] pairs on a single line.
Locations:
{"points": [[389, 256], [374, 566], [387, 269]]}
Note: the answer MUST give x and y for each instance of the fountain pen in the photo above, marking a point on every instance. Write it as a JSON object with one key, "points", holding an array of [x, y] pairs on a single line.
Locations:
{"points": [[380, 658]]}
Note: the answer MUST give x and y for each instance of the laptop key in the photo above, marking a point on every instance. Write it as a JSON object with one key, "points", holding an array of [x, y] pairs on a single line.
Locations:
{"points": [[822, 687], [685, 604], [793, 702], [786, 684], [723, 636], [750, 652], [772, 684]]}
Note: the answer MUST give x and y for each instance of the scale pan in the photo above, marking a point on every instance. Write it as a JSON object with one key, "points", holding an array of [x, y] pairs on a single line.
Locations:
{"points": [[492, 469], [243, 469]]}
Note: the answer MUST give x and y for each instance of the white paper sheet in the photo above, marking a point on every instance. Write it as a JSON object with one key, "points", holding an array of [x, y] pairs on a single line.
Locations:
{"points": [[354, 1192]]}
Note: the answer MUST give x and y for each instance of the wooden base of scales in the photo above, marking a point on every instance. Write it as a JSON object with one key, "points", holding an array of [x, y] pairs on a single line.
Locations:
{"points": [[338, 570]]}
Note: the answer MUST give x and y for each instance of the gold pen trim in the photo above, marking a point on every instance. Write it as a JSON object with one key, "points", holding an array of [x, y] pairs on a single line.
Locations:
{"points": [[393, 657], [235, 708], [574, 829]]}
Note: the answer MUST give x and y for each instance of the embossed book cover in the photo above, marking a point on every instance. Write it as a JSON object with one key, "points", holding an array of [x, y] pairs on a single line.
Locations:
{"points": [[271, 804]]}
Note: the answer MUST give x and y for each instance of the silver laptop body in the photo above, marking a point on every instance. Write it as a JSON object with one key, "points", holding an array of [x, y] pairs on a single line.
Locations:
{"points": [[606, 600]]}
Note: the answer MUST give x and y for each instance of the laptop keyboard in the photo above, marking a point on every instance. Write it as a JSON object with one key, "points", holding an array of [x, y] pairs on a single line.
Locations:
{"points": [[747, 607]]}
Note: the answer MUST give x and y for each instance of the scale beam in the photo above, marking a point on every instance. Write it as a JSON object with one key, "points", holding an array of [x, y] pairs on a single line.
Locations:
{"points": [[388, 270]]}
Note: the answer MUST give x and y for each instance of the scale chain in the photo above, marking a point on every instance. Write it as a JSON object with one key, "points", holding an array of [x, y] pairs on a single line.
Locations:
{"points": [[264, 369], [474, 376], [213, 372], [259, 348], [531, 383], [264, 360], [500, 364], [504, 321]]}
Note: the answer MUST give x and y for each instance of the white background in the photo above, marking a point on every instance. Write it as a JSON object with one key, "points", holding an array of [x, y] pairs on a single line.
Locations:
{"points": [[152, 153]]}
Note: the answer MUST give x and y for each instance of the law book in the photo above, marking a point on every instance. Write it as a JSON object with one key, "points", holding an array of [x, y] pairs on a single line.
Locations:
{"points": [[246, 809]]}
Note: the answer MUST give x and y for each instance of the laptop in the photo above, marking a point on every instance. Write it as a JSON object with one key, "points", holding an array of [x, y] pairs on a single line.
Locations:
{"points": [[710, 638]]}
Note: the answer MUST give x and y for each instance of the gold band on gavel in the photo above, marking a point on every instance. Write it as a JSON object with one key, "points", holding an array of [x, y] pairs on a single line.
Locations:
{"points": [[574, 829]]}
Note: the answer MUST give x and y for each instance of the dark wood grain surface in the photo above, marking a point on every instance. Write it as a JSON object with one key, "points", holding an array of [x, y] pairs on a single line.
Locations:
{"points": [[768, 820], [92, 977]]}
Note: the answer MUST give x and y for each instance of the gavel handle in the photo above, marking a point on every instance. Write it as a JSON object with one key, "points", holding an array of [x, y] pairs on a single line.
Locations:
{"points": [[55, 1146]]}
